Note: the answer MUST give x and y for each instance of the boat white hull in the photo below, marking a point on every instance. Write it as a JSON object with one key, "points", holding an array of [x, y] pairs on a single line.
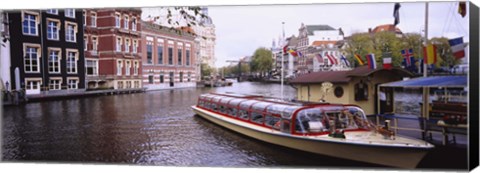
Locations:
{"points": [[404, 157]]}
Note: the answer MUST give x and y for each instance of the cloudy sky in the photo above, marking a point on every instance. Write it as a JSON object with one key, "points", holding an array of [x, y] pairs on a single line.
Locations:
{"points": [[242, 29]]}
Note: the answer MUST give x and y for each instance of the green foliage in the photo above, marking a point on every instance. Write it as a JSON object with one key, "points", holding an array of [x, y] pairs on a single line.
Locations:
{"points": [[262, 60], [444, 53], [387, 44], [206, 70]]}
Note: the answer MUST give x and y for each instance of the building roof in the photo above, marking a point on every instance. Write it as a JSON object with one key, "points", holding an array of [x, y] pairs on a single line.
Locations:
{"points": [[186, 29], [343, 76], [320, 43], [432, 81], [311, 28], [386, 27]]}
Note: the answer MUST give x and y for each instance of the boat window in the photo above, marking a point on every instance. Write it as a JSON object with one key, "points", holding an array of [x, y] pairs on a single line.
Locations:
{"points": [[200, 103], [246, 104], [257, 117], [225, 100], [260, 106], [222, 109], [311, 120], [272, 121], [231, 111], [358, 116], [216, 99], [243, 114], [214, 106], [235, 102], [285, 126], [276, 108], [288, 111]]}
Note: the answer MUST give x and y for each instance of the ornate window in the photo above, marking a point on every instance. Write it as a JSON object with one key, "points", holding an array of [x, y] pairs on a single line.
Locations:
{"points": [[30, 24], [54, 60]]}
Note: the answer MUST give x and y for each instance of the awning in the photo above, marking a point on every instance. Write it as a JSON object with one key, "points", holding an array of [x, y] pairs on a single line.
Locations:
{"points": [[431, 82]]}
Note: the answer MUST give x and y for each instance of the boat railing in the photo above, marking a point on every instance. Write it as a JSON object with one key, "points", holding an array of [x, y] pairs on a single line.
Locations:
{"points": [[395, 124]]}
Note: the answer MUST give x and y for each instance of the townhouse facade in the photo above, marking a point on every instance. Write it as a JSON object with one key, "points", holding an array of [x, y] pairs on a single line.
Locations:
{"points": [[168, 57], [112, 48], [46, 54]]}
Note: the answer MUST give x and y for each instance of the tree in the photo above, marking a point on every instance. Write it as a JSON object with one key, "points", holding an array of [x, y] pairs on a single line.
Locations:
{"points": [[445, 56], [187, 17], [359, 43], [387, 44], [206, 70], [261, 61]]}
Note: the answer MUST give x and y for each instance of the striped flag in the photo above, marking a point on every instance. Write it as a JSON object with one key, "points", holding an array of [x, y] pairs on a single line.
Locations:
{"points": [[345, 61], [319, 58], [330, 58], [458, 47], [359, 59], [335, 59], [430, 54], [387, 63], [372, 64]]}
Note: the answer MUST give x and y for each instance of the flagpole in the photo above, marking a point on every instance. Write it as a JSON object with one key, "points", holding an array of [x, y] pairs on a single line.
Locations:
{"points": [[283, 57], [426, 91], [426, 40]]}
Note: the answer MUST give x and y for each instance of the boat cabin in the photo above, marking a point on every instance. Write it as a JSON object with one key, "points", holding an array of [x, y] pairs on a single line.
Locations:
{"points": [[288, 117]]}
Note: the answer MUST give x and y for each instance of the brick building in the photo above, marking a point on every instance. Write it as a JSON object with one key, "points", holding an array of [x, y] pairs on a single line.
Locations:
{"points": [[168, 57], [46, 51], [112, 48]]}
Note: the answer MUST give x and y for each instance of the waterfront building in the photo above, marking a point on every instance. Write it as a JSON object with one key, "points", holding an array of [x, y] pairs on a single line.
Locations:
{"points": [[357, 86], [5, 81], [168, 57], [319, 39], [206, 35], [46, 52], [112, 48]]}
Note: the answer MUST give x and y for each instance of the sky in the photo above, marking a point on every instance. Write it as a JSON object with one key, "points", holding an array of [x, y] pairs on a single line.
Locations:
{"points": [[240, 30]]}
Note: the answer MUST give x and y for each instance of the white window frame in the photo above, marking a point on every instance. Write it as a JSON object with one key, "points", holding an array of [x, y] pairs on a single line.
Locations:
{"points": [[134, 24], [93, 19], [126, 20], [27, 56], [118, 44], [117, 20], [72, 67], [70, 12], [95, 43], [72, 83], [135, 46], [128, 65], [94, 66], [135, 68], [52, 11], [36, 20], [50, 28], [85, 42], [119, 67], [56, 63], [52, 85], [30, 88], [68, 35], [127, 45]]}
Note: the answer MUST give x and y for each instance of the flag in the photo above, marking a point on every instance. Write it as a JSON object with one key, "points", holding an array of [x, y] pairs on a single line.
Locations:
{"points": [[359, 59], [407, 56], [462, 8], [345, 61], [387, 63], [319, 58], [371, 61], [430, 54], [396, 14], [458, 47], [331, 59], [334, 59], [300, 54], [293, 52], [285, 49]]}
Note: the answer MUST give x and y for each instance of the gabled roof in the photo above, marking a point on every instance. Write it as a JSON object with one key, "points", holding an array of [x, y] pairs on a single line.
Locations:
{"points": [[386, 27], [311, 28]]}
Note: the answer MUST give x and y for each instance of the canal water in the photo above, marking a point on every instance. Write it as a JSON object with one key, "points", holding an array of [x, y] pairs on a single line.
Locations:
{"points": [[153, 128]]}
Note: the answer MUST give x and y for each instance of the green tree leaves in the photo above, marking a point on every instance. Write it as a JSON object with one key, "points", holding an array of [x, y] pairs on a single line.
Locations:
{"points": [[262, 61]]}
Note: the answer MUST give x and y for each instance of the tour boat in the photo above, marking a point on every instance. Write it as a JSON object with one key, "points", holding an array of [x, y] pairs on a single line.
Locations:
{"points": [[335, 130]]}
